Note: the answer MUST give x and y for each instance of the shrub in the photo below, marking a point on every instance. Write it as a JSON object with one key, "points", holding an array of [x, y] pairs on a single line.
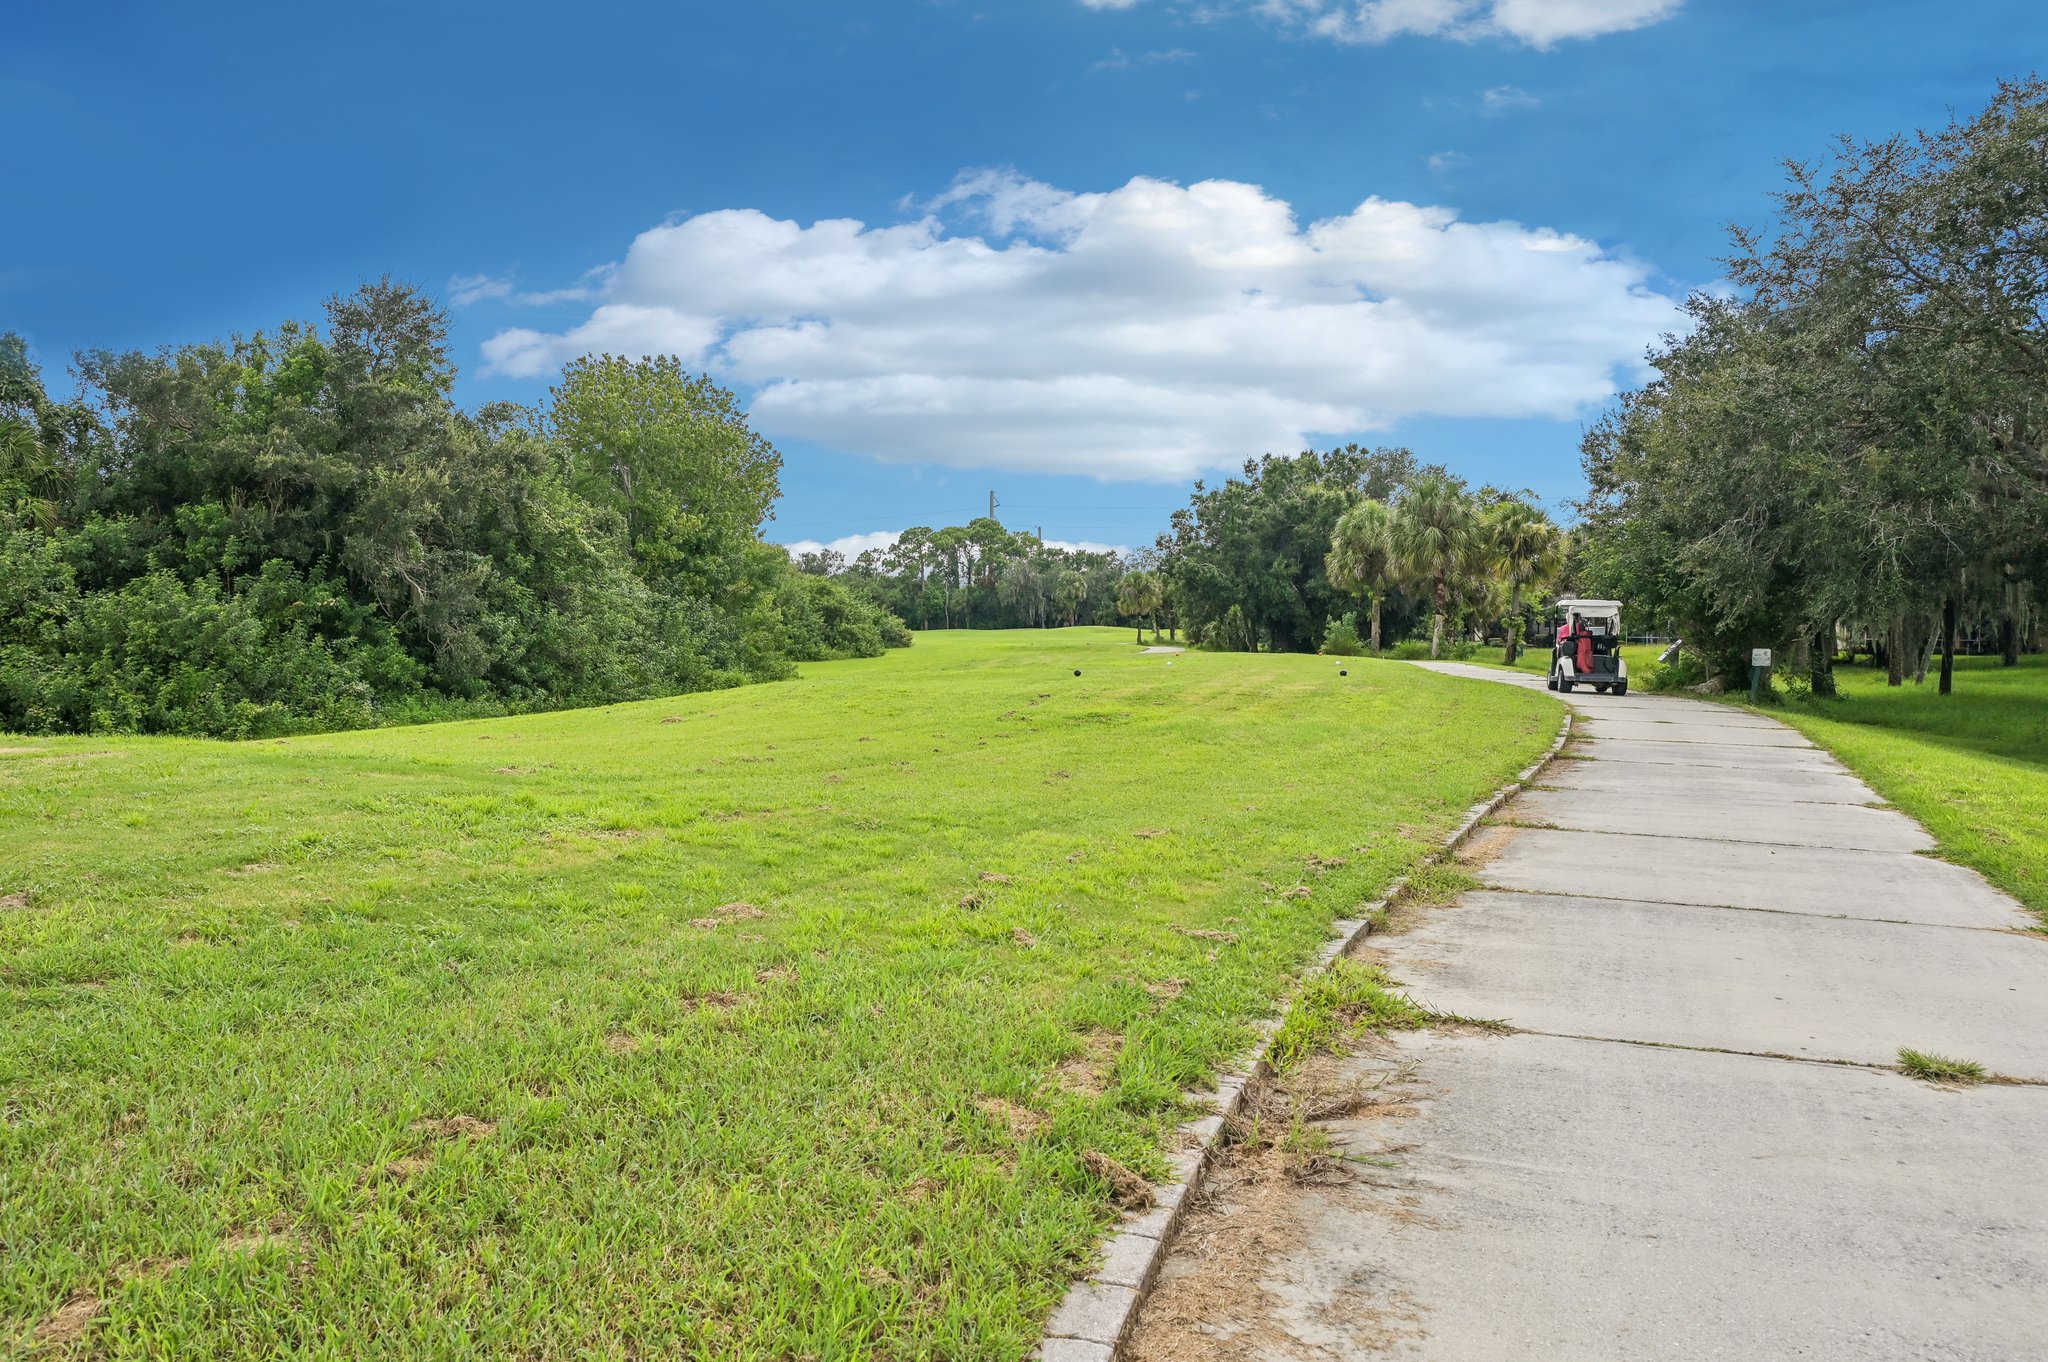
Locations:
{"points": [[1409, 650], [1341, 638], [1686, 670]]}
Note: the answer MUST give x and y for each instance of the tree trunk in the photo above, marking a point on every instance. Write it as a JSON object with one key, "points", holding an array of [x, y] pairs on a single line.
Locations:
{"points": [[1923, 649], [1514, 629], [1948, 644], [1895, 652], [2009, 628], [1442, 601], [1821, 662], [1375, 625]]}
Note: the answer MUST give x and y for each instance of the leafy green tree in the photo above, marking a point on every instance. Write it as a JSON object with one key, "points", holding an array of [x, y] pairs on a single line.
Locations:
{"points": [[1260, 542], [669, 452], [299, 529], [1854, 437]]}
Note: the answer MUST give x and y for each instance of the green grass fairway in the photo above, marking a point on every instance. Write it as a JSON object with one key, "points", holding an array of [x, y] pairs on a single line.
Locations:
{"points": [[762, 1024], [1972, 766]]}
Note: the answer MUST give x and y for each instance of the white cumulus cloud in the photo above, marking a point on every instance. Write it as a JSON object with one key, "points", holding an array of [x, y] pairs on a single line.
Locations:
{"points": [[1502, 99], [850, 545], [1539, 23], [853, 545], [1155, 331]]}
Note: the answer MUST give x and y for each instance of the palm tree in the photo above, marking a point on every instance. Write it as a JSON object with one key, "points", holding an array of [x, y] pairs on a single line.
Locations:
{"points": [[1138, 594], [1069, 590], [1437, 543], [28, 473], [1524, 547], [1361, 558]]}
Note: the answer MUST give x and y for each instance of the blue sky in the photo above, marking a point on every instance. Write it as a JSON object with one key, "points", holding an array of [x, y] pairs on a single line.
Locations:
{"points": [[1105, 246]]}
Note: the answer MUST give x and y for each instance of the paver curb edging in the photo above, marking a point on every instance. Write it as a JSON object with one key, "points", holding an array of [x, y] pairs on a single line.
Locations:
{"points": [[1091, 1324]]}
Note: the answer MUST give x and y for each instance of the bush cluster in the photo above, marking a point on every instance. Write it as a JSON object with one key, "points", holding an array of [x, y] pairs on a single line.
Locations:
{"points": [[300, 531]]}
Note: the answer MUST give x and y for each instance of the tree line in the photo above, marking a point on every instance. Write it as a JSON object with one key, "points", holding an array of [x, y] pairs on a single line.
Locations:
{"points": [[1290, 554], [979, 576], [1849, 449], [299, 529]]}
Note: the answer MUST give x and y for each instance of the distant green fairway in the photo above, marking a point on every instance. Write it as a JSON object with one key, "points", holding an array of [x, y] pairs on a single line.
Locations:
{"points": [[768, 1023], [1972, 765]]}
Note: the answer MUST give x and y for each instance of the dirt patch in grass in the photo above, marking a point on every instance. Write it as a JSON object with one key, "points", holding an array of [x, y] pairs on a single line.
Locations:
{"points": [[776, 974], [1087, 1073], [1021, 1122], [246, 1242], [456, 1128], [1023, 938], [18, 899], [994, 877], [729, 912], [400, 1169], [619, 1043], [1206, 934], [68, 1323], [1167, 989], [1127, 1191]]}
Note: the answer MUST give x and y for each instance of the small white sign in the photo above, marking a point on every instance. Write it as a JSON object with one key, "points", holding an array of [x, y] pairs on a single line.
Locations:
{"points": [[1759, 657]]}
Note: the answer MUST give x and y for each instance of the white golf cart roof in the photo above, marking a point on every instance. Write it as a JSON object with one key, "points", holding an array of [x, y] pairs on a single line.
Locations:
{"points": [[1589, 607]]}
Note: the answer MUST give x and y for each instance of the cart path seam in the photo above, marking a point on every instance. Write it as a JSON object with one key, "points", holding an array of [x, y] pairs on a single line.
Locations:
{"points": [[1994, 1080], [1750, 908]]}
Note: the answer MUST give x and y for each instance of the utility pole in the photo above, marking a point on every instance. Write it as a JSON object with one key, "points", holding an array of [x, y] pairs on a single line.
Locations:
{"points": [[991, 504]]}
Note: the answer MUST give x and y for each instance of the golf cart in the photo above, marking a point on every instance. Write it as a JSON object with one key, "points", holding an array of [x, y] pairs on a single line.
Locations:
{"points": [[1592, 655]]}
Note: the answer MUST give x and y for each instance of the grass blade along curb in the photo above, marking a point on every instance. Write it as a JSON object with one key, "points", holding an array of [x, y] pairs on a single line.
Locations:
{"points": [[1091, 1324]]}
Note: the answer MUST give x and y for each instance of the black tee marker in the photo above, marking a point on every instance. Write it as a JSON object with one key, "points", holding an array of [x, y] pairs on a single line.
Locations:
{"points": [[1077, 671]]}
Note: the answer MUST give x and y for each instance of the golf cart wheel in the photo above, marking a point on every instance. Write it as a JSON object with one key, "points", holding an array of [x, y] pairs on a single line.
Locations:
{"points": [[1599, 689], [1621, 688], [1550, 681], [1564, 684]]}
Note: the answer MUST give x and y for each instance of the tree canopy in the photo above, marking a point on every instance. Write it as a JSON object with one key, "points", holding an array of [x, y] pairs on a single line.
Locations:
{"points": [[299, 529], [1852, 442]]}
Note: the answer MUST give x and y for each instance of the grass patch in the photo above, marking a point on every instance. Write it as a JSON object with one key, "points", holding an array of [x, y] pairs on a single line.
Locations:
{"points": [[1934, 1068], [1441, 882], [1971, 766], [757, 1024], [1344, 1002]]}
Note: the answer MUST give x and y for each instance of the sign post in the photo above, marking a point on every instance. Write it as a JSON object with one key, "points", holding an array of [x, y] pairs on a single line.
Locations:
{"points": [[1759, 667]]}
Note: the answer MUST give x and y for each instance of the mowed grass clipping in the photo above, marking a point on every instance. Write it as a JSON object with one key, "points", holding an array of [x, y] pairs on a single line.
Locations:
{"points": [[770, 1023], [1972, 765]]}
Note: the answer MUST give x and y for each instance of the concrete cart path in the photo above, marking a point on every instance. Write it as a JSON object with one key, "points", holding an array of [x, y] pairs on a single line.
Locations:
{"points": [[1710, 942]]}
